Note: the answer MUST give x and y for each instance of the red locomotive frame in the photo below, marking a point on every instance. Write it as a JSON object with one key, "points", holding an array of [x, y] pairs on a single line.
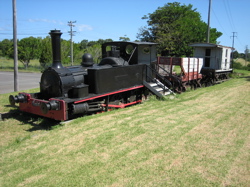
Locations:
{"points": [[33, 105]]}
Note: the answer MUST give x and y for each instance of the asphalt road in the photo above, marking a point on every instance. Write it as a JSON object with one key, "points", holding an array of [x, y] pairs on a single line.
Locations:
{"points": [[25, 81]]}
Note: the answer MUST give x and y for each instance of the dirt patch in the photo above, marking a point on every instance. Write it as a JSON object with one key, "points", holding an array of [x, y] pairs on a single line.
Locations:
{"points": [[31, 179]]}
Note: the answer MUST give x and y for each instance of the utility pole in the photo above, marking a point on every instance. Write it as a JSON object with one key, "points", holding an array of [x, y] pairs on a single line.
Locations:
{"points": [[71, 33], [233, 47], [246, 55], [208, 21], [234, 35], [16, 86]]}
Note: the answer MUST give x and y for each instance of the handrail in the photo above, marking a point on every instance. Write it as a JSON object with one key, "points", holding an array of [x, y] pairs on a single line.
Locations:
{"points": [[169, 74], [131, 55], [174, 77]]}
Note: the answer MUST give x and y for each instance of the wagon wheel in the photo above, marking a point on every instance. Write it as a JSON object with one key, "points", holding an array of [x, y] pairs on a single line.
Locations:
{"points": [[192, 85], [184, 86], [178, 89], [198, 83], [210, 82], [195, 85], [203, 84]]}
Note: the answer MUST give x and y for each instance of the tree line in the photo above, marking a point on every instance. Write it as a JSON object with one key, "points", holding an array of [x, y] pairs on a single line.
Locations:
{"points": [[172, 26], [40, 48]]}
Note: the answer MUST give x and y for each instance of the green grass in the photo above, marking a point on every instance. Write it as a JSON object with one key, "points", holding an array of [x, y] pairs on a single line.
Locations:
{"points": [[8, 65], [200, 138]]}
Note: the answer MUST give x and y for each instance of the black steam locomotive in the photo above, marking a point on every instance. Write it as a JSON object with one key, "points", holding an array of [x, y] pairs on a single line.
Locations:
{"points": [[116, 82]]}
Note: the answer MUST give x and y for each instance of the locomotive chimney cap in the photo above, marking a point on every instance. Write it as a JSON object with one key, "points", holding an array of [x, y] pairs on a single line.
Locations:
{"points": [[55, 31]]}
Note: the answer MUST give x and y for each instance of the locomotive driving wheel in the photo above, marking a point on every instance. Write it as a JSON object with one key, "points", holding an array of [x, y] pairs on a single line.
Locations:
{"points": [[116, 99], [134, 95]]}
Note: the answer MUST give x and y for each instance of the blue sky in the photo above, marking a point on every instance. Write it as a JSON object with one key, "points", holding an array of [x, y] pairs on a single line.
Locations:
{"points": [[103, 19]]}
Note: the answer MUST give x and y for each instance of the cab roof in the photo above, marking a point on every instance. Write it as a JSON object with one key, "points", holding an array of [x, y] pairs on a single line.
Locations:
{"points": [[133, 43]]}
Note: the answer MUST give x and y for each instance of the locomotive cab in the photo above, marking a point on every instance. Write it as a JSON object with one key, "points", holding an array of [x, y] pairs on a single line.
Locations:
{"points": [[128, 53]]}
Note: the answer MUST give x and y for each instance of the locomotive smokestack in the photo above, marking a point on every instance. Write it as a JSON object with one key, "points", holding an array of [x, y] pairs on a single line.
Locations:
{"points": [[56, 48]]}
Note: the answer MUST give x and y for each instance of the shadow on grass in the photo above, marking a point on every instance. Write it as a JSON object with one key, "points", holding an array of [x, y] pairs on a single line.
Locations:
{"points": [[247, 78], [36, 122]]}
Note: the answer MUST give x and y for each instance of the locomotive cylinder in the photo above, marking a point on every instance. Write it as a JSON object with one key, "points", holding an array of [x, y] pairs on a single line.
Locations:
{"points": [[52, 105]]}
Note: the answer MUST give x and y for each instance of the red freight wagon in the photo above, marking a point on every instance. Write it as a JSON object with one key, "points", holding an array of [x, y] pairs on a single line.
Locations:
{"points": [[182, 72]]}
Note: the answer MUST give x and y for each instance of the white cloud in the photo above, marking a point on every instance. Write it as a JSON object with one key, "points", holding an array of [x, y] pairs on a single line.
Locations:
{"points": [[79, 27], [46, 21], [82, 27]]}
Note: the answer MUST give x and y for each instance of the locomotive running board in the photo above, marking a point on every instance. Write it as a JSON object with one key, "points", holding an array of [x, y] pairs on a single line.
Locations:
{"points": [[108, 94]]}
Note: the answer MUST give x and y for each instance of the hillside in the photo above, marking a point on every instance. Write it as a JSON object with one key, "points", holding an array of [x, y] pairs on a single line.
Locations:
{"points": [[242, 61], [200, 138]]}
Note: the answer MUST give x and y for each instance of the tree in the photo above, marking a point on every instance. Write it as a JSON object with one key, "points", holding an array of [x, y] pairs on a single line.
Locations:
{"points": [[91, 47], [95, 51], [102, 41], [236, 54], [6, 48], [174, 26], [83, 44], [29, 48], [46, 52], [65, 51], [124, 38], [247, 54]]}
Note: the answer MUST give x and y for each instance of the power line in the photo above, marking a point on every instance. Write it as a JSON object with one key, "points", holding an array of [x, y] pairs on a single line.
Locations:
{"points": [[24, 34], [71, 33], [220, 23], [240, 42], [229, 15]]}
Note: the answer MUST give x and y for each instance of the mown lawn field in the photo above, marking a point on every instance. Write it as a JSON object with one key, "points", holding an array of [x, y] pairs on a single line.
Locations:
{"points": [[200, 138], [8, 65]]}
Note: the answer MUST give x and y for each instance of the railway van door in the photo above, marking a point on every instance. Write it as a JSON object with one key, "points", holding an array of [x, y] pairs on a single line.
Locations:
{"points": [[207, 57]]}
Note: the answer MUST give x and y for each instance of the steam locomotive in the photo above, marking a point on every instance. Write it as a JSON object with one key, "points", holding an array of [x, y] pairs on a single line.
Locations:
{"points": [[126, 75], [116, 82]]}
